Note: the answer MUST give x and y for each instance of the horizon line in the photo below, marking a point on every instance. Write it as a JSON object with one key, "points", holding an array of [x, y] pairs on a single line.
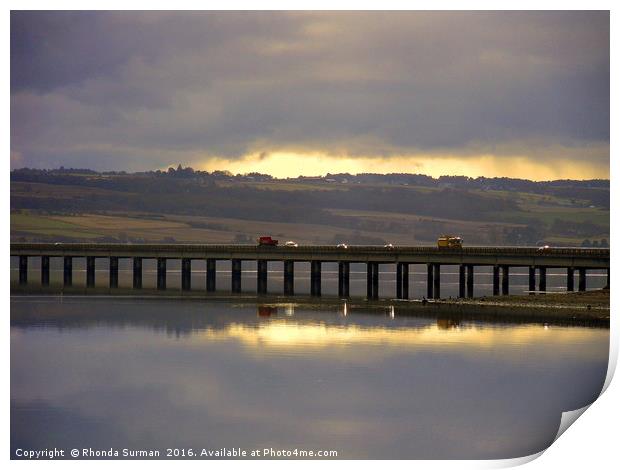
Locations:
{"points": [[326, 175]]}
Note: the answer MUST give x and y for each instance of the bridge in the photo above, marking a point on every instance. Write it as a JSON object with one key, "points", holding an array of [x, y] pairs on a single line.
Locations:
{"points": [[500, 258]]}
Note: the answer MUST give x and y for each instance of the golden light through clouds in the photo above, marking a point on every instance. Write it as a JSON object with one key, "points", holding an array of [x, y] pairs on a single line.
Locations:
{"points": [[293, 164]]}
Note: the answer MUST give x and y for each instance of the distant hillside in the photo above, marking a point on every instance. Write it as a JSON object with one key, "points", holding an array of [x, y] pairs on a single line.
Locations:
{"points": [[367, 208]]}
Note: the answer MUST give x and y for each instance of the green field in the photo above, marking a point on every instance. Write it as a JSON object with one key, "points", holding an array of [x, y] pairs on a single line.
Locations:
{"points": [[547, 215], [154, 209], [49, 226]]}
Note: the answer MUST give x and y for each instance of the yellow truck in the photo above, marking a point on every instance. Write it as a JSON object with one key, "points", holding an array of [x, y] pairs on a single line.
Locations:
{"points": [[449, 241]]}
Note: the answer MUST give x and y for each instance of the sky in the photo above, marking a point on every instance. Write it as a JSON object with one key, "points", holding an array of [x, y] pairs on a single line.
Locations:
{"points": [[517, 94]]}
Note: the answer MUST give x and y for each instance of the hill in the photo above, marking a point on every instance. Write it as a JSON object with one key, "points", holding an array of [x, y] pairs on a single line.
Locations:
{"points": [[194, 206]]}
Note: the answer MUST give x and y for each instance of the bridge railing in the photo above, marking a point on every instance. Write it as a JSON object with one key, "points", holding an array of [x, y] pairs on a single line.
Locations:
{"points": [[191, 247]]}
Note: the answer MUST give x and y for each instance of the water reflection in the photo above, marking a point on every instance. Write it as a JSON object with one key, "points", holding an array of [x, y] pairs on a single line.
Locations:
{"points": [[267, 310], [448, 324], [114, 372]]}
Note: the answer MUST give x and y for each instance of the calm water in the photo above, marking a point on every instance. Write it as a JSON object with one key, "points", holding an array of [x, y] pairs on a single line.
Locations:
{"points": [[157, 374]]}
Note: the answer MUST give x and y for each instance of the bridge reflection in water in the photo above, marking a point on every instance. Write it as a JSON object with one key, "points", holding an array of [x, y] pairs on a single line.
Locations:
{"points": [[499, 259], [145, 373]]}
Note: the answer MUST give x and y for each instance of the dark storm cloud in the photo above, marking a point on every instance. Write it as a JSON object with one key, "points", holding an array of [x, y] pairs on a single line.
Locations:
{"points": [[145, 89]]}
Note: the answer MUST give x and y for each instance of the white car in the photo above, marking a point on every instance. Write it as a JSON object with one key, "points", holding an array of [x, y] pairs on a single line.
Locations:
{"points": [[291, 243], [342, 245], [389, 246]]}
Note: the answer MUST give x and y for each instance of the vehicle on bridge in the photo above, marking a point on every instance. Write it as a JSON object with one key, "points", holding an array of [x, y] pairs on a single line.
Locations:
{"points": [[267, 241], [449, 241], [291, 243]]}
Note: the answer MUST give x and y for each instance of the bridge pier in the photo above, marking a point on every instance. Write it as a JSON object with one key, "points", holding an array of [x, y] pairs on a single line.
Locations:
{"points": [[137, 273], [429, 281], [402, 280], [531, 279], [470, 280], [236, 275], [495, 280], [45, 270], [462, 281], [210, 275], [161, 273], [113, 272], [315, 278], [505, 280], [570, 279], [186, 274], [23, 270], [608, 285], [90, 271], [289, 277], [582, 279], [372, 280], [261, 276], [399, 280], [343, 278], [405, 280], [542, 279], [67, 272], [436, 281]]}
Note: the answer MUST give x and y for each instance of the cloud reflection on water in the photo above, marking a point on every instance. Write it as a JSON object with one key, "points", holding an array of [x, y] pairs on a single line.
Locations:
{"points": [[367, 385]]}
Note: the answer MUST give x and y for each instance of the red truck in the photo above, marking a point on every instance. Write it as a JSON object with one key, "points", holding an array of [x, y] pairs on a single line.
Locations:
{"points": [[267, 241]]}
